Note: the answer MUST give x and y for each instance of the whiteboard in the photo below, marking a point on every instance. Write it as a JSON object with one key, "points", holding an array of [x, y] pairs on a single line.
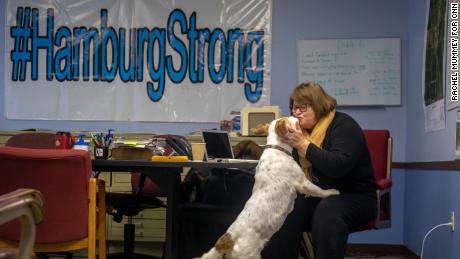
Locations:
{"points": [[354, 71]]}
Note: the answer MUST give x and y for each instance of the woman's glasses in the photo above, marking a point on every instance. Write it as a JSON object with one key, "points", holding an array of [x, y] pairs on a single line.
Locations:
{"points": [[300, 107]]}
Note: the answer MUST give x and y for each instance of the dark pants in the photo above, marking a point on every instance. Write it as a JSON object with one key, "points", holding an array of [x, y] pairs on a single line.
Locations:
{"points": [[330, 220]]}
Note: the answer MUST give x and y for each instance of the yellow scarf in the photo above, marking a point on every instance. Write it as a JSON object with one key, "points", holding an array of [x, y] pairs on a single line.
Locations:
{"points": [[315, 137]]}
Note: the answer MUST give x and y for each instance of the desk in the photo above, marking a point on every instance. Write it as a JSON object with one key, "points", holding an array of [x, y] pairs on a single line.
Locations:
{"points": [[167, 176]]}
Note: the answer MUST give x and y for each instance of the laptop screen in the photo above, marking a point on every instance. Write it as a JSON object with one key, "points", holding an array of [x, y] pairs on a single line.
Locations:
{"points": [[217, 144]]}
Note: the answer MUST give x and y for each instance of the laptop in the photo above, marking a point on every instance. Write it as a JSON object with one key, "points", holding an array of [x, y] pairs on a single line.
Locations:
{"points": [[219, 148]]}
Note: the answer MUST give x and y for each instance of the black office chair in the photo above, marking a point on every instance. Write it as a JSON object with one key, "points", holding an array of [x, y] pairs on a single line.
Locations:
{"points": [[144, 196]]}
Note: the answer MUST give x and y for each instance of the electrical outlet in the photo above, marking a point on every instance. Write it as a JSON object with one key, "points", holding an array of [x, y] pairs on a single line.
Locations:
{"points": [[452, 220]]}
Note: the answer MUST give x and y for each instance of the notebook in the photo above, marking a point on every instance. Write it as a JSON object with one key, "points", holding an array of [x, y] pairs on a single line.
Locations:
{"points": [[219, 148]]}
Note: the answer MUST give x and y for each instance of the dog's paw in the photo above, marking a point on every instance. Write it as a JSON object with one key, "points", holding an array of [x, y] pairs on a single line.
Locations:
{"points": [[332, 192]]}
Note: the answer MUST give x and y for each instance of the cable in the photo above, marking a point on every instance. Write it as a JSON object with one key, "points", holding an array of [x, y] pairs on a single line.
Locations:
{"points": [[431, 230]]}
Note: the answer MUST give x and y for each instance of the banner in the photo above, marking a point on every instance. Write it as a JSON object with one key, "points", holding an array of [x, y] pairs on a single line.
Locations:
{"points": [[141, 60]]}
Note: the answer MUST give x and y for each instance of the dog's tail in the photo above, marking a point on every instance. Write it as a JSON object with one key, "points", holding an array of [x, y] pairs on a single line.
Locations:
{"points": [[223, 244]]}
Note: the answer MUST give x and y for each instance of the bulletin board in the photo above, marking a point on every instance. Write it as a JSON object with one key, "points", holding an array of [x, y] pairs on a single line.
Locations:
{"points": [[355, 71]]}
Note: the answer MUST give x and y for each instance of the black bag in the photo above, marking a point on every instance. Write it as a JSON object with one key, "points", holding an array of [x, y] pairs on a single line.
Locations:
{"points": [[228, 187], [193, 187], [209, 206], [211, 200]]}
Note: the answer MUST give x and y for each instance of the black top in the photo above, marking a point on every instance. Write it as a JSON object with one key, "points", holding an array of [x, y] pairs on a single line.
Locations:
{"points": [[344, 162]]}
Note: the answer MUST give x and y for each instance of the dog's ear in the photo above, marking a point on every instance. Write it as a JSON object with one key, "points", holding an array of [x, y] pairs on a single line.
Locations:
{"points": [[260, 129], [281, 126]]}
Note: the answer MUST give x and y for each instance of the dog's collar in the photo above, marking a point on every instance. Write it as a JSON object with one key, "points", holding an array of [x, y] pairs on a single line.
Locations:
{"points": [[279, 148]]}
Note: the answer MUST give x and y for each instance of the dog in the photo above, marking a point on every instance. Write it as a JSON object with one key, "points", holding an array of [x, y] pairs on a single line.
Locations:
{"points": [[278, 178], [247, 149]]}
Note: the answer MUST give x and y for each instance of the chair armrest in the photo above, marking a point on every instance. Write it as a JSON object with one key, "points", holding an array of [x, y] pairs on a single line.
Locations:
{"points": [[29, 199], [26, 204], [384, 184], [101, 229], [101, 199]]}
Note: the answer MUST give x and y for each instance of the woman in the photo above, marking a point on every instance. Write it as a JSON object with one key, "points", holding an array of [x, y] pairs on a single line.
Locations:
{"points": [[331, 149]]}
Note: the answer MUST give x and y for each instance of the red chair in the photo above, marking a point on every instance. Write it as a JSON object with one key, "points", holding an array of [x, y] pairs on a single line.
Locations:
{"points": [[40, 140], [380, 145], [69, 193], [144, 195]]}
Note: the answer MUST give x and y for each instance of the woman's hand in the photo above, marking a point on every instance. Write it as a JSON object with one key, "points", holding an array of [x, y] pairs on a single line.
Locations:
{"points": [[295, 139]]}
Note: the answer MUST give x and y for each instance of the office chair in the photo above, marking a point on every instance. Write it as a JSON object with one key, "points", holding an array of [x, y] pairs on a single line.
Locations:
{"points": [[144, 195], [26, 204], [64, 179], [380, 145]]}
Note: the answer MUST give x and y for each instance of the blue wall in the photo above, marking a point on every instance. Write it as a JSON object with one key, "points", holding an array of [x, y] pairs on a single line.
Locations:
{"points": [[421, 199], [429, 196]]}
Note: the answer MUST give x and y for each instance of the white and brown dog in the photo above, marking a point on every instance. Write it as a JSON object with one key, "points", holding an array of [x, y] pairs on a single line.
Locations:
{"points": [[278, 178]]}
